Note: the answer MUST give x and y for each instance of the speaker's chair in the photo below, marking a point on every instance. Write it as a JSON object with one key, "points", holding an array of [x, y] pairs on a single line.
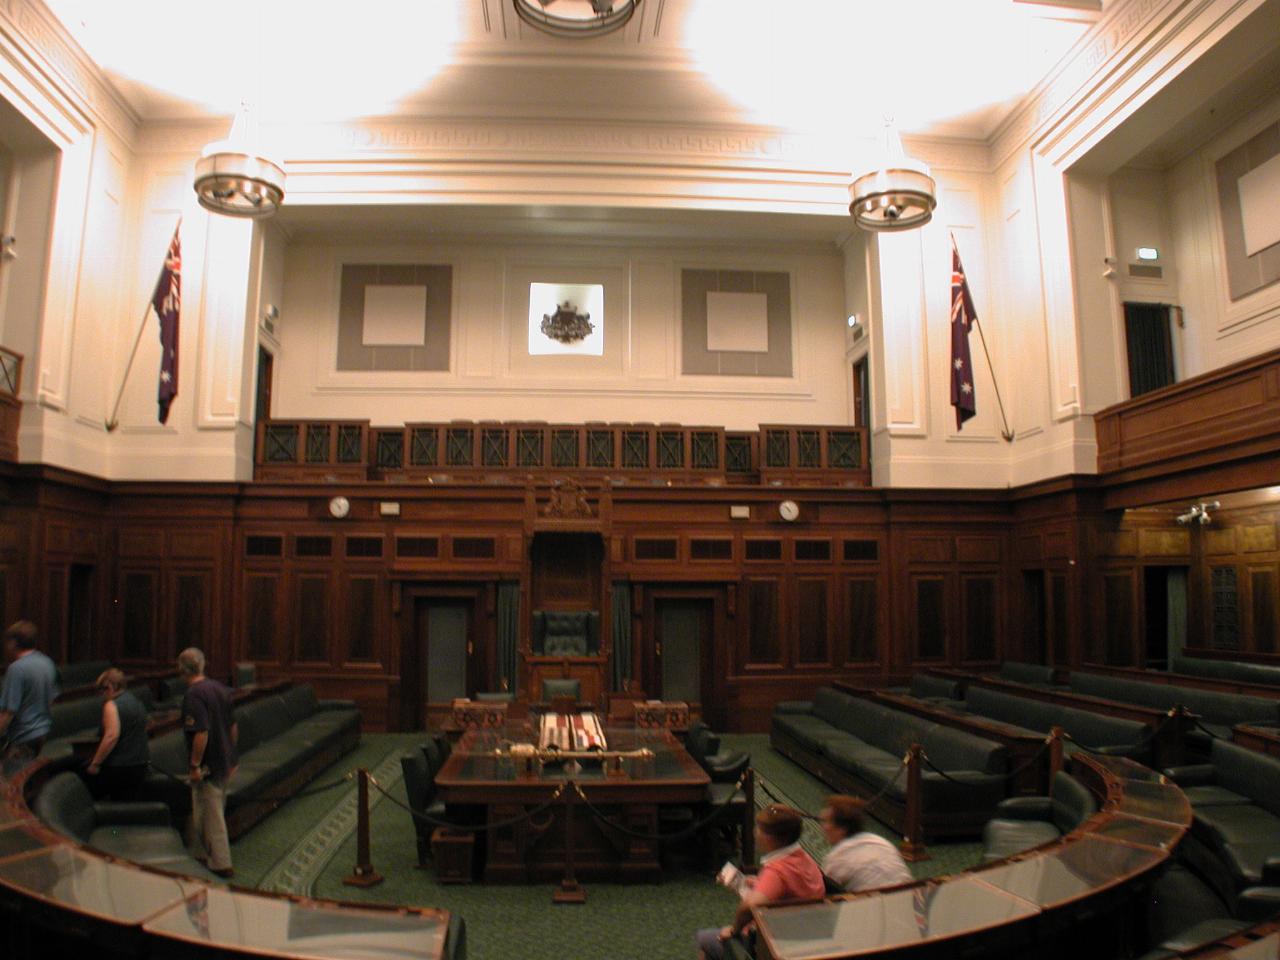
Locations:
{"points": [[566, 633]]}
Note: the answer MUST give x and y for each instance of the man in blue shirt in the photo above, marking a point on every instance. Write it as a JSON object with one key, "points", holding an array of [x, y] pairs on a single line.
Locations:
{"points": [[30, 685], [211, 732]]}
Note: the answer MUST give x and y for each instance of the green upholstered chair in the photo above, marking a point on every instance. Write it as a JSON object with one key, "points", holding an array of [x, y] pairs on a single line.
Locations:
{"points": [[1021, 823], [455, 938], [420, 787], [137, 832], [553, 687]]}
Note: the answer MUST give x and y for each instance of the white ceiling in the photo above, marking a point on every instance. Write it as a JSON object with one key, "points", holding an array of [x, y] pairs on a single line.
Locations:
{"points": [[941, 67]]}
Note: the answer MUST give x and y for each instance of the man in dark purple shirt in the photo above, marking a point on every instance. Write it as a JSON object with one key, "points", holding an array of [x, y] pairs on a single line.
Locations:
{"points": [[211, 735]]}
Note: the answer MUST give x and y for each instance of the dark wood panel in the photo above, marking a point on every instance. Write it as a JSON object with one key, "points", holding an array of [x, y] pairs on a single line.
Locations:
{"points": [[1226, 413], [763, 646], [812, 619]]}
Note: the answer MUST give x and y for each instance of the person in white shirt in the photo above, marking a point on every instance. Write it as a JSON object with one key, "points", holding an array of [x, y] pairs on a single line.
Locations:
{"points": [[858, 859]]}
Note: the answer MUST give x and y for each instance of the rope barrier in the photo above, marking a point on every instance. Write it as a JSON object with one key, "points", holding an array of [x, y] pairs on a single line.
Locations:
{"points": [[1206, 730], [644, 835], [1020, 769], [1140, 744], [471, 827]]}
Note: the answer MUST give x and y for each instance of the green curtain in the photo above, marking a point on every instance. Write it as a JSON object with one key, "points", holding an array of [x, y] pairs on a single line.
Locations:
{"points": [[508, 633], [621, 616]]}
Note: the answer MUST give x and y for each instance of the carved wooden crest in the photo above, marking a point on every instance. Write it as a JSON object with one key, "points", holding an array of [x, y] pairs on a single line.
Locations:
{"points": [[568, 501]]}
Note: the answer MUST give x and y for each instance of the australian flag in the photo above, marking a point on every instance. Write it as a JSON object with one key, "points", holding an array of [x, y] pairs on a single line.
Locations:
{"points": [[962, 317], [167, 301]]}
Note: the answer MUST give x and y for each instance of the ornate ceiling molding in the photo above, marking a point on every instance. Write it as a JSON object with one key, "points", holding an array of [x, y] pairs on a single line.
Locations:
{"points": [[1093, 64], [40, 34]]}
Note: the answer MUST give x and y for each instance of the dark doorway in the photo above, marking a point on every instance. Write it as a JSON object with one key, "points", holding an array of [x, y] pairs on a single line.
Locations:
{"points": [[682, 656], [262, 400], [441, 656], [80, 613], [1150, 345]]}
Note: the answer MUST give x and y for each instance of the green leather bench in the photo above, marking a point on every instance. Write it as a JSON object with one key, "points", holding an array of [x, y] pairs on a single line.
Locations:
{"points": [[1101, 734], [856, 744], [284, 741], [1235, 837], [1235, 670], [1021, 823], [1218, 712], [138, 832], [1032, 674]]}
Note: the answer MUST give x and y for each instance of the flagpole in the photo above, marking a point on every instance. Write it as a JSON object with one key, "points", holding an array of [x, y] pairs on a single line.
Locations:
{"points": [[113, 422], [1006, 433]]}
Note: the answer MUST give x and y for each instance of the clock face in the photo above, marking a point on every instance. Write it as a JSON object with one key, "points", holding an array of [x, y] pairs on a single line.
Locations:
{"points": [[789, 510], [339, 507]]}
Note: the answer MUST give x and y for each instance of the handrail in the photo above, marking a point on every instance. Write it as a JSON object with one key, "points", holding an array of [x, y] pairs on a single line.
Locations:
{"points": [[188, 897]]}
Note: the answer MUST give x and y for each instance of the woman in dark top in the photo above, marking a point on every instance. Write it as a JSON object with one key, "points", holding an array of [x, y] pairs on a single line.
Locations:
{"points": [[119, 764]]}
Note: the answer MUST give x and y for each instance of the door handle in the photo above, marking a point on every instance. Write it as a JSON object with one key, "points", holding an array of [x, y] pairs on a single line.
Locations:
{"points": [[470, 648], [657, 649]]}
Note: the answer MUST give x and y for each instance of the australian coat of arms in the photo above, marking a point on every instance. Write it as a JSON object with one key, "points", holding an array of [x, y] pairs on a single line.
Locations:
{"points": [[566, 324]]}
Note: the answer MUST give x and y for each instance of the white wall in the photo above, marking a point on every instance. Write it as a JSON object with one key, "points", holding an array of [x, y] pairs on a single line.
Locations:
{"points": [[491, 375], [1218, 331]]}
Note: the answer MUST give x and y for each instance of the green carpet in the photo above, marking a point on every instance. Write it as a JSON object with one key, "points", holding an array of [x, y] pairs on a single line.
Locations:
{"points": [[618, 922]]}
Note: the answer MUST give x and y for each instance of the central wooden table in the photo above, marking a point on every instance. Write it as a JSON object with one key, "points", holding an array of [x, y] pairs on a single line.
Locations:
{"points": [[614, 829]]}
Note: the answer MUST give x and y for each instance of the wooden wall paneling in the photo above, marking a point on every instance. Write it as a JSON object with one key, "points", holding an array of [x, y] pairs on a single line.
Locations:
{"points": [[1121, 603], [140, 607], [931, 603], [980, 617], [311, 615], [863, 616], [761, 645], [812, 616], [264, 637], [188, 614], [363, 598]]}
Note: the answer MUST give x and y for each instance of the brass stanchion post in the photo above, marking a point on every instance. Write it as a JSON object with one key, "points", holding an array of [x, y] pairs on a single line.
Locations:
{"points": [[913, 848], [570, 890], [362, 874]]}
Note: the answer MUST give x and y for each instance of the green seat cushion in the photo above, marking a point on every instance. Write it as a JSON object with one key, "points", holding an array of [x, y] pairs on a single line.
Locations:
{"points": [[300, 702], [1212, 795], [851, 751], [1237, 823], [145, 845], [805, 729], [261, 720], [1003, 838], [561, 687]]}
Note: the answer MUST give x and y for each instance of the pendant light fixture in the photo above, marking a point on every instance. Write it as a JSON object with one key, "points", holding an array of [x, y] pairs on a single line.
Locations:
{"points": [[233, 178], [576, 18], [899, 194]]}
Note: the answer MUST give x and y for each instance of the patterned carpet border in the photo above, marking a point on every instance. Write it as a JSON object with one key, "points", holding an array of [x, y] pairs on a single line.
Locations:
{"points": [[298, 870], [811, 839]]}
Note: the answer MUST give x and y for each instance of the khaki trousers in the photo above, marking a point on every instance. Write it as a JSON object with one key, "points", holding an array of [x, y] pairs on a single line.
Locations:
{"points": [[209, 824]]}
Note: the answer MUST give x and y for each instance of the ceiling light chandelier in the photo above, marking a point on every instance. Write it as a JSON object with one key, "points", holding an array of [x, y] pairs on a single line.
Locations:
{"points": [[576, 18], [233, 179], [899, 194]]}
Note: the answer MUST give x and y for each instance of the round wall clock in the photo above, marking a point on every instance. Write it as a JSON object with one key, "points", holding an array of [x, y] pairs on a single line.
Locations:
{"points": [[789, 511], [339, 507]]}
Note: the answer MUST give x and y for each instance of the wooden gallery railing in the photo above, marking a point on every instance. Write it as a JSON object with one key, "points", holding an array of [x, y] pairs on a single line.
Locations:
{"points": [[10, 405], [352, 451]]}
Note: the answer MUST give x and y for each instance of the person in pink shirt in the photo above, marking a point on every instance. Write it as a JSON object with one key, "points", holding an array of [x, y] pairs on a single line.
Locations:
{"points": [[786, 873]]}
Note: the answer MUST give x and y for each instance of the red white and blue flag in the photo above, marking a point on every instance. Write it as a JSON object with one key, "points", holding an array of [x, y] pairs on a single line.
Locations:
{"points": [[962, 318], [167, 301]]}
